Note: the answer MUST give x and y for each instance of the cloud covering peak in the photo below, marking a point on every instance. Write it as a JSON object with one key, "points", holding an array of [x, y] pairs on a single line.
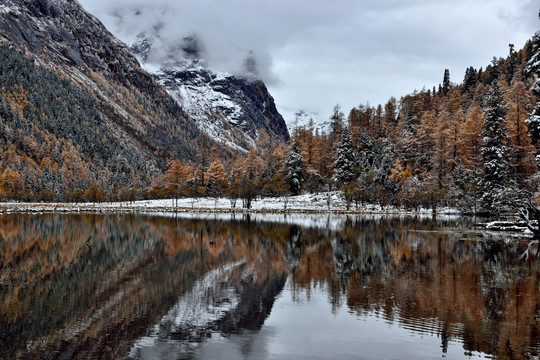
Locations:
{"points": [[318, 53], [175, 34]]}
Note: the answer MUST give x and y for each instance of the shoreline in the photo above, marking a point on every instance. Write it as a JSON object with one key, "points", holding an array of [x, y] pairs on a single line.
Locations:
{"points": [[309, 204]]}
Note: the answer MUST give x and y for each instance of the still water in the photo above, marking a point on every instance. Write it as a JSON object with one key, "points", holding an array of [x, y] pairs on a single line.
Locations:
{"points": [[156, 287]]}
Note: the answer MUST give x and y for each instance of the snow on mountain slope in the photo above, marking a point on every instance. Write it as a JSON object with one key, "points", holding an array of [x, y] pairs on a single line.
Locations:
{"points": [[233, 109], [129, 125], [197, 92]]}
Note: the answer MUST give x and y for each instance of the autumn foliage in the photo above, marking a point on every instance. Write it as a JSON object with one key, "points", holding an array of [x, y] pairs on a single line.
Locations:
{"points": [[427, 149]]}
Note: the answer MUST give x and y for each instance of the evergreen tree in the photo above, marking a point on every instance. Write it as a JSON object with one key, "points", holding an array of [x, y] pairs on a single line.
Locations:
{"points": [[383, 188], [532, 71], [367, 149], [494, 71], [469, 81], [446, 82], [495, 176], [211, 188], [389, 120], [378, 122], [345, 164], [512, 64], [295, 169]]}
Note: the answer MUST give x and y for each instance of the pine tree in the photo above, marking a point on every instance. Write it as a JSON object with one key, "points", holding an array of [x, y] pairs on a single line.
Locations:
{"points": [[469, 81], [378, 122], [211, 188], [389, 120], [384, 188], [495, 176], [367, 150], [494, 71], [345, 164], [532, 71], [295, 169], [446, 82], [512, 64]]}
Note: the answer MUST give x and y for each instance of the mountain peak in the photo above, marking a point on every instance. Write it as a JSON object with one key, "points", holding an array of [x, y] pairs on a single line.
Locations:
{"points": [[230, 108], [113, 117]]}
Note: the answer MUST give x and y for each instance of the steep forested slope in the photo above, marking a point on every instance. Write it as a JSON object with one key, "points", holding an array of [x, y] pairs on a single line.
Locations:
{"points": [[52, 137], [79, 93]]}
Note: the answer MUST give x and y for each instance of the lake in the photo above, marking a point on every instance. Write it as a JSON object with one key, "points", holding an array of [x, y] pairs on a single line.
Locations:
{"points": [[261, 287]]}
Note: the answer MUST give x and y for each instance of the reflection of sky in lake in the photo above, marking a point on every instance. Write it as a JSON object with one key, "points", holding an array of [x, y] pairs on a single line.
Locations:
{"points": [[304, 326], [322, 221], [160, 288]]}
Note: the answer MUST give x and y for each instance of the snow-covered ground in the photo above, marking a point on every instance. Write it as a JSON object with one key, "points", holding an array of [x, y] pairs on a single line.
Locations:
{"points": [[319, 203], [321, 210]]}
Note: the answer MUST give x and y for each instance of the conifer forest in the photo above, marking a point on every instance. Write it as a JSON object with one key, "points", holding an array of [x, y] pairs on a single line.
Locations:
{"points": [[473, 144], [157, 201]]}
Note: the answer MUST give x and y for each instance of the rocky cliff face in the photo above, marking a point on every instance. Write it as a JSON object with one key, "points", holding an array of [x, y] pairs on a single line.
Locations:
{"points": [[228, 108], [233, 109], [87, 108], [77, 110], [61, 36]]}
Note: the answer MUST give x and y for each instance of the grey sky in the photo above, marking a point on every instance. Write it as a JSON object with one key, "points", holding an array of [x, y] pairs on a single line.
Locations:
{"points": [[315, 54]]}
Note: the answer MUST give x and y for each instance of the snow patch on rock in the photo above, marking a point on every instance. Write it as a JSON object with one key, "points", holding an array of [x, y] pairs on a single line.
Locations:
{"points": [[213, 111]]}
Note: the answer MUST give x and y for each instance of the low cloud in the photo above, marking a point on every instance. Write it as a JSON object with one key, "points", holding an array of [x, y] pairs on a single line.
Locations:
{"points": [[187, 31], [326, 52]]}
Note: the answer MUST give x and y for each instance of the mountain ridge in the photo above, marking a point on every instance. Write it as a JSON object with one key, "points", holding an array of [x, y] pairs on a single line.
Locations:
{"points": [[121, 108], [229, 107]]}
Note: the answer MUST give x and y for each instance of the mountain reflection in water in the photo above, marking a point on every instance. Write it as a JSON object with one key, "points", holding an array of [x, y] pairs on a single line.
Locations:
{"points": [[147, 287]]}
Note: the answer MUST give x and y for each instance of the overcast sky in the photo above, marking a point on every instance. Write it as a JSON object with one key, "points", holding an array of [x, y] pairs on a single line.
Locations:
{"points": [[318, 53]]}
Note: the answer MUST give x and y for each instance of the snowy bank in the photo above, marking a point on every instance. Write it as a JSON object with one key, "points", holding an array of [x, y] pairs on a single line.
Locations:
{"points": [[319, 203]]}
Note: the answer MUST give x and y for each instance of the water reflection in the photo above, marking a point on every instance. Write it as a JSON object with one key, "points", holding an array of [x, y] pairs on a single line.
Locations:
{"points": [[142, 287]]}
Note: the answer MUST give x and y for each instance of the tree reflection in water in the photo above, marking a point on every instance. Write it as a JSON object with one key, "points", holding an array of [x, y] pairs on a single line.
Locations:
{"points": [[148, 285]]}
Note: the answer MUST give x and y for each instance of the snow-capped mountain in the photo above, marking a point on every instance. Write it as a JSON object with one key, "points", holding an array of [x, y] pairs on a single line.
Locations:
{"points": [[128, 123], [85, 107], [233, 109]]}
